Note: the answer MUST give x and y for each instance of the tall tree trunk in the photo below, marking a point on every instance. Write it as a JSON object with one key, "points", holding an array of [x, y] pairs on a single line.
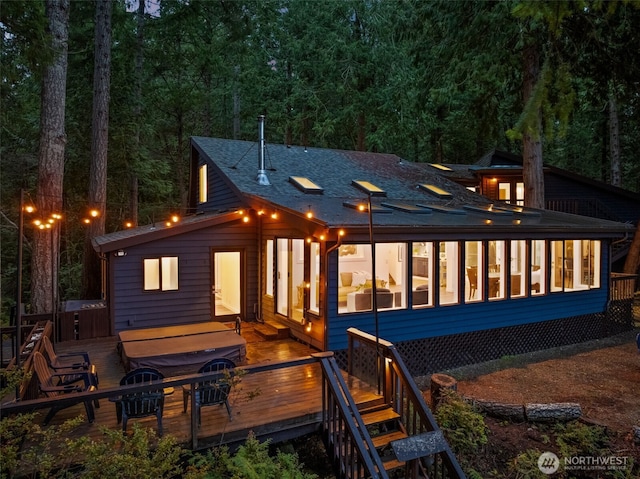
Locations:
{"points": [[46, 242], [236, 102], [99, 147], [632, 261], [137, 112], [361, 132], [532, 172], [614, 137]]}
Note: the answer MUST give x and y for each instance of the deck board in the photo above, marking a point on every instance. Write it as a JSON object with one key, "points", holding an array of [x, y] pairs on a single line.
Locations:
{"points": [[286, 398]]}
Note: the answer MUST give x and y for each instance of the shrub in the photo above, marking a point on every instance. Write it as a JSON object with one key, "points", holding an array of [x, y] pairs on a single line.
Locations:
{"points": [[464, 427]]}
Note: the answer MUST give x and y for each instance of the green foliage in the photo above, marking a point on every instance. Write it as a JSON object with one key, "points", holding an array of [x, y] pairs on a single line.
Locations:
{"points": [[29, 450], [251, 461], [572, 439], [525, 465], [140, 455], [578, 439], [464, 427]]}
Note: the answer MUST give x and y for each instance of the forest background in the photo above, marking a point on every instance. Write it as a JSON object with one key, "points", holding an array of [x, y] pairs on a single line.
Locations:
{"points": [[433, 81]]}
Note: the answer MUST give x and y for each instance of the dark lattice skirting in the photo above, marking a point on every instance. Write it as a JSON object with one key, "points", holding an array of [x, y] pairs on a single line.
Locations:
{"points": [[426, 356]]}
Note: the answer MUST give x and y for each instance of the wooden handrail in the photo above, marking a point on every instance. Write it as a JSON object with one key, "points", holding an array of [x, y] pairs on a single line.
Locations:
{"points": [[346, 433], [27, 406], [402, 393]]}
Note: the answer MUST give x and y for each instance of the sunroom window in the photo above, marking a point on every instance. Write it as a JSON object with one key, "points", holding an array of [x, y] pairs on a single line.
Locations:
{"points": [[355, 278]]}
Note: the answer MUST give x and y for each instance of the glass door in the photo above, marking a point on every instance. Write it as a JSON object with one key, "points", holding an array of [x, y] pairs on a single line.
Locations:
{"points": [[227, 293], [290, 278]]}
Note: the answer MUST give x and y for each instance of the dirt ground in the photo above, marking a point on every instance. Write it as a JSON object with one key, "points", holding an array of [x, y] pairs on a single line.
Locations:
{"points": [[602, 376], [605, 381]]}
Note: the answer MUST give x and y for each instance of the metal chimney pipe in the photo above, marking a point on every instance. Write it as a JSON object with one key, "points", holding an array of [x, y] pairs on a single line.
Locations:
{"points": [[262, 172]]}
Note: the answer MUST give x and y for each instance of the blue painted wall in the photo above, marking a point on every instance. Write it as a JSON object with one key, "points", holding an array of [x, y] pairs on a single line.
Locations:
{"points": [[407, 324]]}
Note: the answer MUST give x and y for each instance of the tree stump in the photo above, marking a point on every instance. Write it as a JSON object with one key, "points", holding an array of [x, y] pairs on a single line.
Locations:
{"points": [[552, 412], [439, 384]]}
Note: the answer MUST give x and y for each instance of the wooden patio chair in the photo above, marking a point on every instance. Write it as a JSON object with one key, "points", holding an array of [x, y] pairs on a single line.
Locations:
{"points": [[210, 393], [54, 384], [74, 360], [142, 404]]}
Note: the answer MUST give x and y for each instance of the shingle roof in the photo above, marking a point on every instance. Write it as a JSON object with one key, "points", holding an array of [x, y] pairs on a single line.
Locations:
{"points": [[334, 171]]}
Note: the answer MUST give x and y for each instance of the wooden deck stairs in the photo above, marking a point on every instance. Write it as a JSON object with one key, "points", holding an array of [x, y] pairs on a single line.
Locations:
{"points": [[272, 330], [397, 436], [384, 427]]}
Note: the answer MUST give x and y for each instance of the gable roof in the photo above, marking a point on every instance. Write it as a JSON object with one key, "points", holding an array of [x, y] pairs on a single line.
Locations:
{"points": [[403, 198]]}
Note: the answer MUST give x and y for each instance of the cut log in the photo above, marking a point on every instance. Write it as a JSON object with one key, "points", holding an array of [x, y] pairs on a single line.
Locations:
{"points": [[512, 412], [552, 412], [439, 384]]}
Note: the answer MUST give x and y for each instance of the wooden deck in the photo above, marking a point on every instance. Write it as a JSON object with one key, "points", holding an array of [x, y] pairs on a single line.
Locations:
{"points": [[280, 404]]}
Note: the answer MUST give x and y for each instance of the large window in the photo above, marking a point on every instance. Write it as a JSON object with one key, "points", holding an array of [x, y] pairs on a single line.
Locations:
{"points": [[575, 265], [355, 287], [474, 264], [491, 270], [161, 273], [511, 192], [538, 267], [448, 273], [518, 262], [422, 275], [496, 263]]}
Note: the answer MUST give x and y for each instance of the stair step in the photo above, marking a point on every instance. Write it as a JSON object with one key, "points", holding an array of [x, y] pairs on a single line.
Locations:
{"points": [[384, 439], [393, 464], [272, 330], [379, 416]]}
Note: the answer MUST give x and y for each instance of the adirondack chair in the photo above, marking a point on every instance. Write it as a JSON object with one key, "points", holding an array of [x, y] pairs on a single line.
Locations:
{"points": [[75, 360], [55, 384], [210, 393], [142, 404]]}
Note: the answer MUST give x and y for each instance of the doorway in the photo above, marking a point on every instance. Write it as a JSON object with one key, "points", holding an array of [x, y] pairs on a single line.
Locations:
{"points": [[226, 288], [290, 278]]}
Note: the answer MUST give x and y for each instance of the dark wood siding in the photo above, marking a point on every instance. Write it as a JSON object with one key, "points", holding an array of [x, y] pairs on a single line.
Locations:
{"points": [[562, 194], [220, 195], [136, 308]]}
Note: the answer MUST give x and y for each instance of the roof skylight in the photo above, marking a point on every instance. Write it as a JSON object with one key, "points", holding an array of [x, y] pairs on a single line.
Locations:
{"points": [[440, 167], [368, 188], [306, 185], [435, 190]]}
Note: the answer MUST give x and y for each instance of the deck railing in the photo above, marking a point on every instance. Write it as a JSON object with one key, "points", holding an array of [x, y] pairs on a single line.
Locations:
{"points": [[623, 286], [350, 445], [401, 392], [27, 406]]}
